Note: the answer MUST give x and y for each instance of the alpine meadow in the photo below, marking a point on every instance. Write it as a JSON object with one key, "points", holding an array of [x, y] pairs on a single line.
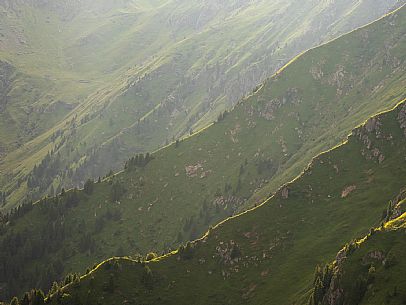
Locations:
{"points": [[207, 152]]}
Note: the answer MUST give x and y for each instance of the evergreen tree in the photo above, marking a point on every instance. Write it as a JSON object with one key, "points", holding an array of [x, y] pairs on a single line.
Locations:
{"points": [[37, 297], [89, 186], [54, 289], [116, 191], [34, 297]]}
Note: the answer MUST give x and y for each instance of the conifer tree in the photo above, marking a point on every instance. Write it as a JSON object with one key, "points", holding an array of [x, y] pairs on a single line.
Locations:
{"points": [[89, 186]]}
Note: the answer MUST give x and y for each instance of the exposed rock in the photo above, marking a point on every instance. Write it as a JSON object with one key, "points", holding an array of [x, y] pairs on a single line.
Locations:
{"points": [[316, 72], [372, 124], [193, 170], [376, 152], [337, 78], [225, 202], [285, 193], [370, 153], [375, 255], [291, 96], [398, 205], [341, 256], [334, 296], [234, 133], [229, 253], [348, 190], [205, 174], [270, 109]]}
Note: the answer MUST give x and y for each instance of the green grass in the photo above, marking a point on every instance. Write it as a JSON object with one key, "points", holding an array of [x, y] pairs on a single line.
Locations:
{"points": [[119, 61], [376, 262], [281, 242], [161, 199]]}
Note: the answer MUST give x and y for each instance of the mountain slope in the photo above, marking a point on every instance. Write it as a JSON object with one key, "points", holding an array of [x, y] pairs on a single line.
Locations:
{"points": [[139, 74], [268, 255], [369, 271], [179, 191]]}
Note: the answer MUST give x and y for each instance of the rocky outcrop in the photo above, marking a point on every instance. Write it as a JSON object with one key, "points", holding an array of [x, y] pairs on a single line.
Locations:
{"points": [[402, 118], [397, 206], [366, 134], [285, 193], [195, 170], [228, 202], [229, 253], [348, 190], [291, 96]]}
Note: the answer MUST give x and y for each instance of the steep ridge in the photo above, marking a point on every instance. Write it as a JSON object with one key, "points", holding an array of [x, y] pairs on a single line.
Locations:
{"points": [[139, 73], [268, 255], [174, 195]]}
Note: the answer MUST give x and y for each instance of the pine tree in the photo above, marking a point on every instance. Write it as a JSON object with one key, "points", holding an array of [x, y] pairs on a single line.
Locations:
{"points": [[54, 289], [37, 297], [116, 191], [89, 186]]}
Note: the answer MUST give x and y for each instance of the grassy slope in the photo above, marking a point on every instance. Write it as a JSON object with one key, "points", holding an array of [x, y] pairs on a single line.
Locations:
{"points": [[161, 198], [376, 261], [281, 241], [388, 285], [123, 65]]}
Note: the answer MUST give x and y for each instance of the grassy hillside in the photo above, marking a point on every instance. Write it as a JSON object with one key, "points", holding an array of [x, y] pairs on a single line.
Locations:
{"points": [[181, 190], [138, 74], [368, 271], [268, 255]]}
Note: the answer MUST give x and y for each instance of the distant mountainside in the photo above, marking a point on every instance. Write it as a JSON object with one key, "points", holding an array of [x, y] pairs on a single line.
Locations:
{"points": [[268, 255], [177, 193], [96, 82]]}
